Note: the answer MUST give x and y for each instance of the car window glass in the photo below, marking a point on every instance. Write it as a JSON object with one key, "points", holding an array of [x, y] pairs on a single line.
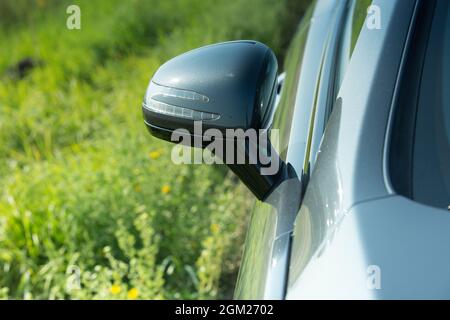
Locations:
{"points": [[431, 156], [283, 115]]}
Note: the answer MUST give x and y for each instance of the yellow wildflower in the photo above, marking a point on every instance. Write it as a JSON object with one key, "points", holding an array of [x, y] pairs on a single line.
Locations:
{"points": [[215, 228], [133, 293], [154, 155], [115, 289], [165, 189]]}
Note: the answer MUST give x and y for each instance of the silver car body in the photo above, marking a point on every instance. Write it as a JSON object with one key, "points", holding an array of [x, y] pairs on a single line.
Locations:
{"points": [[353, 237]]}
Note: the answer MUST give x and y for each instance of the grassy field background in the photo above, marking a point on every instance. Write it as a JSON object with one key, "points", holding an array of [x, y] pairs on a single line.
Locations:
{"points": [[90, 205]]}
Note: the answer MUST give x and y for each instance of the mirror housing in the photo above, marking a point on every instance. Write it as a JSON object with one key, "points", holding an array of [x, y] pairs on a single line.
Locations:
{"points": [[229, 85]]}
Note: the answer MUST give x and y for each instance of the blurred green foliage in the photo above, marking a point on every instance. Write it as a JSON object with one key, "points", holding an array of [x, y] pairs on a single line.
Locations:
{"points": [[90, 205]]}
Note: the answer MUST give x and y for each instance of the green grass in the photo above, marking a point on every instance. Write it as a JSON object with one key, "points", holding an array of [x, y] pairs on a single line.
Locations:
{"points": [[90, 204]]}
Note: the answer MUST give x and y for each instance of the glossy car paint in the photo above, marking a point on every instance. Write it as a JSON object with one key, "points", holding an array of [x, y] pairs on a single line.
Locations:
{"points": [[352, 225], [237, 93], [263, 272]]}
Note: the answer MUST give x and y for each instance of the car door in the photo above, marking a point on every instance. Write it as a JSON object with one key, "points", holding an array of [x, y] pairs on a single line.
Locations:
{"points": [[297, 126]]}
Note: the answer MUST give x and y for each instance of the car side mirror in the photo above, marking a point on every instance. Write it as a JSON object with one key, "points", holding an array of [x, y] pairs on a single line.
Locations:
{"points": [[223, 87]]}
